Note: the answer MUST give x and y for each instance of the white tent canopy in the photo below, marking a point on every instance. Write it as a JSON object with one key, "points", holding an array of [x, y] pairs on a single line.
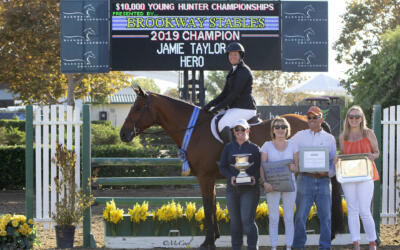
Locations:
{"points": [[321, 84]]}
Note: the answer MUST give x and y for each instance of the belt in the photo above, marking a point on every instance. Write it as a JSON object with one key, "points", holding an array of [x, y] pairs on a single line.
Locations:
{"points": [[318, 176]]}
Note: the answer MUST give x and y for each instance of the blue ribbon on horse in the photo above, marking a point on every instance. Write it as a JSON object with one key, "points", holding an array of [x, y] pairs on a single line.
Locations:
{"points": [[186, 139]]}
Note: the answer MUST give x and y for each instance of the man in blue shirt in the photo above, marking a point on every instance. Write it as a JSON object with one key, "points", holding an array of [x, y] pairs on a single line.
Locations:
{"points": [[242, 200], [314, 187]]}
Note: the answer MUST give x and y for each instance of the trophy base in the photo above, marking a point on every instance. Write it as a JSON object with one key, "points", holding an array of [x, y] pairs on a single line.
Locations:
{"points": [[243, 180]]}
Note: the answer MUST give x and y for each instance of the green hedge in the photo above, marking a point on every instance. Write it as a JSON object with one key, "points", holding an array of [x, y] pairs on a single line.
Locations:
{"points": [[101, 122], [12, 167], [9, 123], [12, 163]]}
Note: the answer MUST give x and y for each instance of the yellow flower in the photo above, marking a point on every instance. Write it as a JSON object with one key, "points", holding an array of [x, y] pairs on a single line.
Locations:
{"points": [[344, 206], [30, 230], [313, 210], [190, 210], [14, 223], [262, 210], [280, 211], [116, 215], [226, 215], [139, 213], [30, 222], [170, 212], [199, 216], [3, 233], [112, 214], [220, 213]]}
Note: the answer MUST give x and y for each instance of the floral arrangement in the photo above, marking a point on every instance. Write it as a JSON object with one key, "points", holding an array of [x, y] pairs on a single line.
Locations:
{"points": [[16, 232], [222, 214], [138, 214], [190, 210], [173, 213], [170, 212], [112, 213]]}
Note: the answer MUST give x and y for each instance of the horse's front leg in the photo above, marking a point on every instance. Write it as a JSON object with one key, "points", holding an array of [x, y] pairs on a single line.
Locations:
{"points": [[207, 186]]}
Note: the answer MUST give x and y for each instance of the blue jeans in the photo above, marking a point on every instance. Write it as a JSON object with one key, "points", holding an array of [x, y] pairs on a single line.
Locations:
{"points": [[309, 190], [242, 204]]}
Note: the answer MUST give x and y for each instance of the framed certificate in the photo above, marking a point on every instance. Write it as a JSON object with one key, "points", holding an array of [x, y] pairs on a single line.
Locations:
{"points": [[314, 159]]}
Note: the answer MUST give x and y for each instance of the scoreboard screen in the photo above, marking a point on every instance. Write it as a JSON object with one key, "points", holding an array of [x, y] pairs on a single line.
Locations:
{"points": [[179, 35]]}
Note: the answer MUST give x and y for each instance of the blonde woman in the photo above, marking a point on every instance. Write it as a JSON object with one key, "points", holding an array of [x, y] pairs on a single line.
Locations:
{"points": [[357, 138], [279, 149]]}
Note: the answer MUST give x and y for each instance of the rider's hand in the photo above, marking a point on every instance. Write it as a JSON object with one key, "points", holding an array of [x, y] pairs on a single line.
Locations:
{"points": [[207, 107]]}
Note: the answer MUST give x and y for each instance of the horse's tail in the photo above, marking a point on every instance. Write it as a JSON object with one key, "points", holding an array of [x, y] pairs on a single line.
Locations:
{"points": [[337, 222]]}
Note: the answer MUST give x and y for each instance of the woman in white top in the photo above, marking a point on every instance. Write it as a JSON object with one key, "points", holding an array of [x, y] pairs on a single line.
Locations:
{"points": [[276, 150]]}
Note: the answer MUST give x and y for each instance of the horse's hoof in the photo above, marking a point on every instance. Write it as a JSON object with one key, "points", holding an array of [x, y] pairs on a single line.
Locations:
{"points": [[207, 247]]}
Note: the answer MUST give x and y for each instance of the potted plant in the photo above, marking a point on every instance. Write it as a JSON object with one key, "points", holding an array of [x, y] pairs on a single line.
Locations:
{"points": [[72, 202]]}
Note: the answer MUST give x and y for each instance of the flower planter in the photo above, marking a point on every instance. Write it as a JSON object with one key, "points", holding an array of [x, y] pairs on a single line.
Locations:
{"points": [[65, 236], [183, 234], [185, 228]]}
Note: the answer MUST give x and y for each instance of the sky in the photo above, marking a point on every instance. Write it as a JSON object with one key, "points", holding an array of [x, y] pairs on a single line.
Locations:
{"points": [[336, 8]]}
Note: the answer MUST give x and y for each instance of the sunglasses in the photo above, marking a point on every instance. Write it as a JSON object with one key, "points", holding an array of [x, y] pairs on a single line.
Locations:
{"points": [[237, 129], [280, 126], [313, 117], [351, 117]]}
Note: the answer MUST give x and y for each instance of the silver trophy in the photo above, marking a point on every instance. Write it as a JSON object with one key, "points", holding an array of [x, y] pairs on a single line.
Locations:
{"points": [[242, 164]]}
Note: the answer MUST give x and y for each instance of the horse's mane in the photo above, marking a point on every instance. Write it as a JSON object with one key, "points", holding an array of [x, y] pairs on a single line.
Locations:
{"points": [[174, 100]]}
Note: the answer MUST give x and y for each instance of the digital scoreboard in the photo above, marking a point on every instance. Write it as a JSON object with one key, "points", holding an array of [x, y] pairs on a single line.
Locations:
{"points": [[185, 35]]}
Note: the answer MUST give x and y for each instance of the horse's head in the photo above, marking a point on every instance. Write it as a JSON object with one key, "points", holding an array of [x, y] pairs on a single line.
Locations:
{"points": [[139, 118]]}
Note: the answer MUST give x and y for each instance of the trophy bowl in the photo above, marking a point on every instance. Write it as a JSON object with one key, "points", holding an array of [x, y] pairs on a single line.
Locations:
{"points": [[242, 164]]}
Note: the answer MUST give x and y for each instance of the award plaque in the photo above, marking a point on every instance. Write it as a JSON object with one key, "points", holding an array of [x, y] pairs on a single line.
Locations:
{"points": [[354, 168], [278, 174], [314, 159], [242, 164]]}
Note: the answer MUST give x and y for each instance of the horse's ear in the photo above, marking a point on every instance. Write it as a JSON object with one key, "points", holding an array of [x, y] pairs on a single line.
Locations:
{"points": [[140, 92]]}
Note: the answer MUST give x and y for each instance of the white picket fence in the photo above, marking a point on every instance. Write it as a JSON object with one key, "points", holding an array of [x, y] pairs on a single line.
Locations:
{"points": [[391, 164], [50, 123]]}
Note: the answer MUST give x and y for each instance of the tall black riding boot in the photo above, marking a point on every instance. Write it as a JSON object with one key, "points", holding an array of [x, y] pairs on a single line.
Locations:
{"points": [[226, 135]]}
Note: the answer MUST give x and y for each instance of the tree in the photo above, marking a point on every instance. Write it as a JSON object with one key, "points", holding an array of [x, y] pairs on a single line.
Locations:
{"points": [[172, 92], [364, 22], [146, 84], [214, 83], [30, 56], [378, 81], [269, 86]]}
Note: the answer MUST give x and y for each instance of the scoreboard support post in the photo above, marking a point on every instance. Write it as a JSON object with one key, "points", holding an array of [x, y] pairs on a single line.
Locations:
{"points": [[193, 88]]}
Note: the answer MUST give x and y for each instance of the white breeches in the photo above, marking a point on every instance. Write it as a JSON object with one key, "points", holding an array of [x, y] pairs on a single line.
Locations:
{"points": [[232, 115]]}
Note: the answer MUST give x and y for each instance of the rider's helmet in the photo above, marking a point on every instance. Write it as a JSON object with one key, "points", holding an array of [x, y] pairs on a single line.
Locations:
{"points": [[235, 46]]}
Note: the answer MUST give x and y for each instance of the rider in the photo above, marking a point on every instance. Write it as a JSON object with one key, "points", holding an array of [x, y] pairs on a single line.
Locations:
{"points": [[236, 95]]}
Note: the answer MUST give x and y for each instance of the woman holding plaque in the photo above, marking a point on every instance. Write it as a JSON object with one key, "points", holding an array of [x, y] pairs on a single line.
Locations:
{"points": [[242, 197], [279, 149], [357, 138]]}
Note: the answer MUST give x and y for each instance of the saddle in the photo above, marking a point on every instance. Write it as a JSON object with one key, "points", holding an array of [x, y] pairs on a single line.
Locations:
{"points": [[255, 120]]}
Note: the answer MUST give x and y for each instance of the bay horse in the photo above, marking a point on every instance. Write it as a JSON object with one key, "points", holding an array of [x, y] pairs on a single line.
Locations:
{"points": [[203, 150]]}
